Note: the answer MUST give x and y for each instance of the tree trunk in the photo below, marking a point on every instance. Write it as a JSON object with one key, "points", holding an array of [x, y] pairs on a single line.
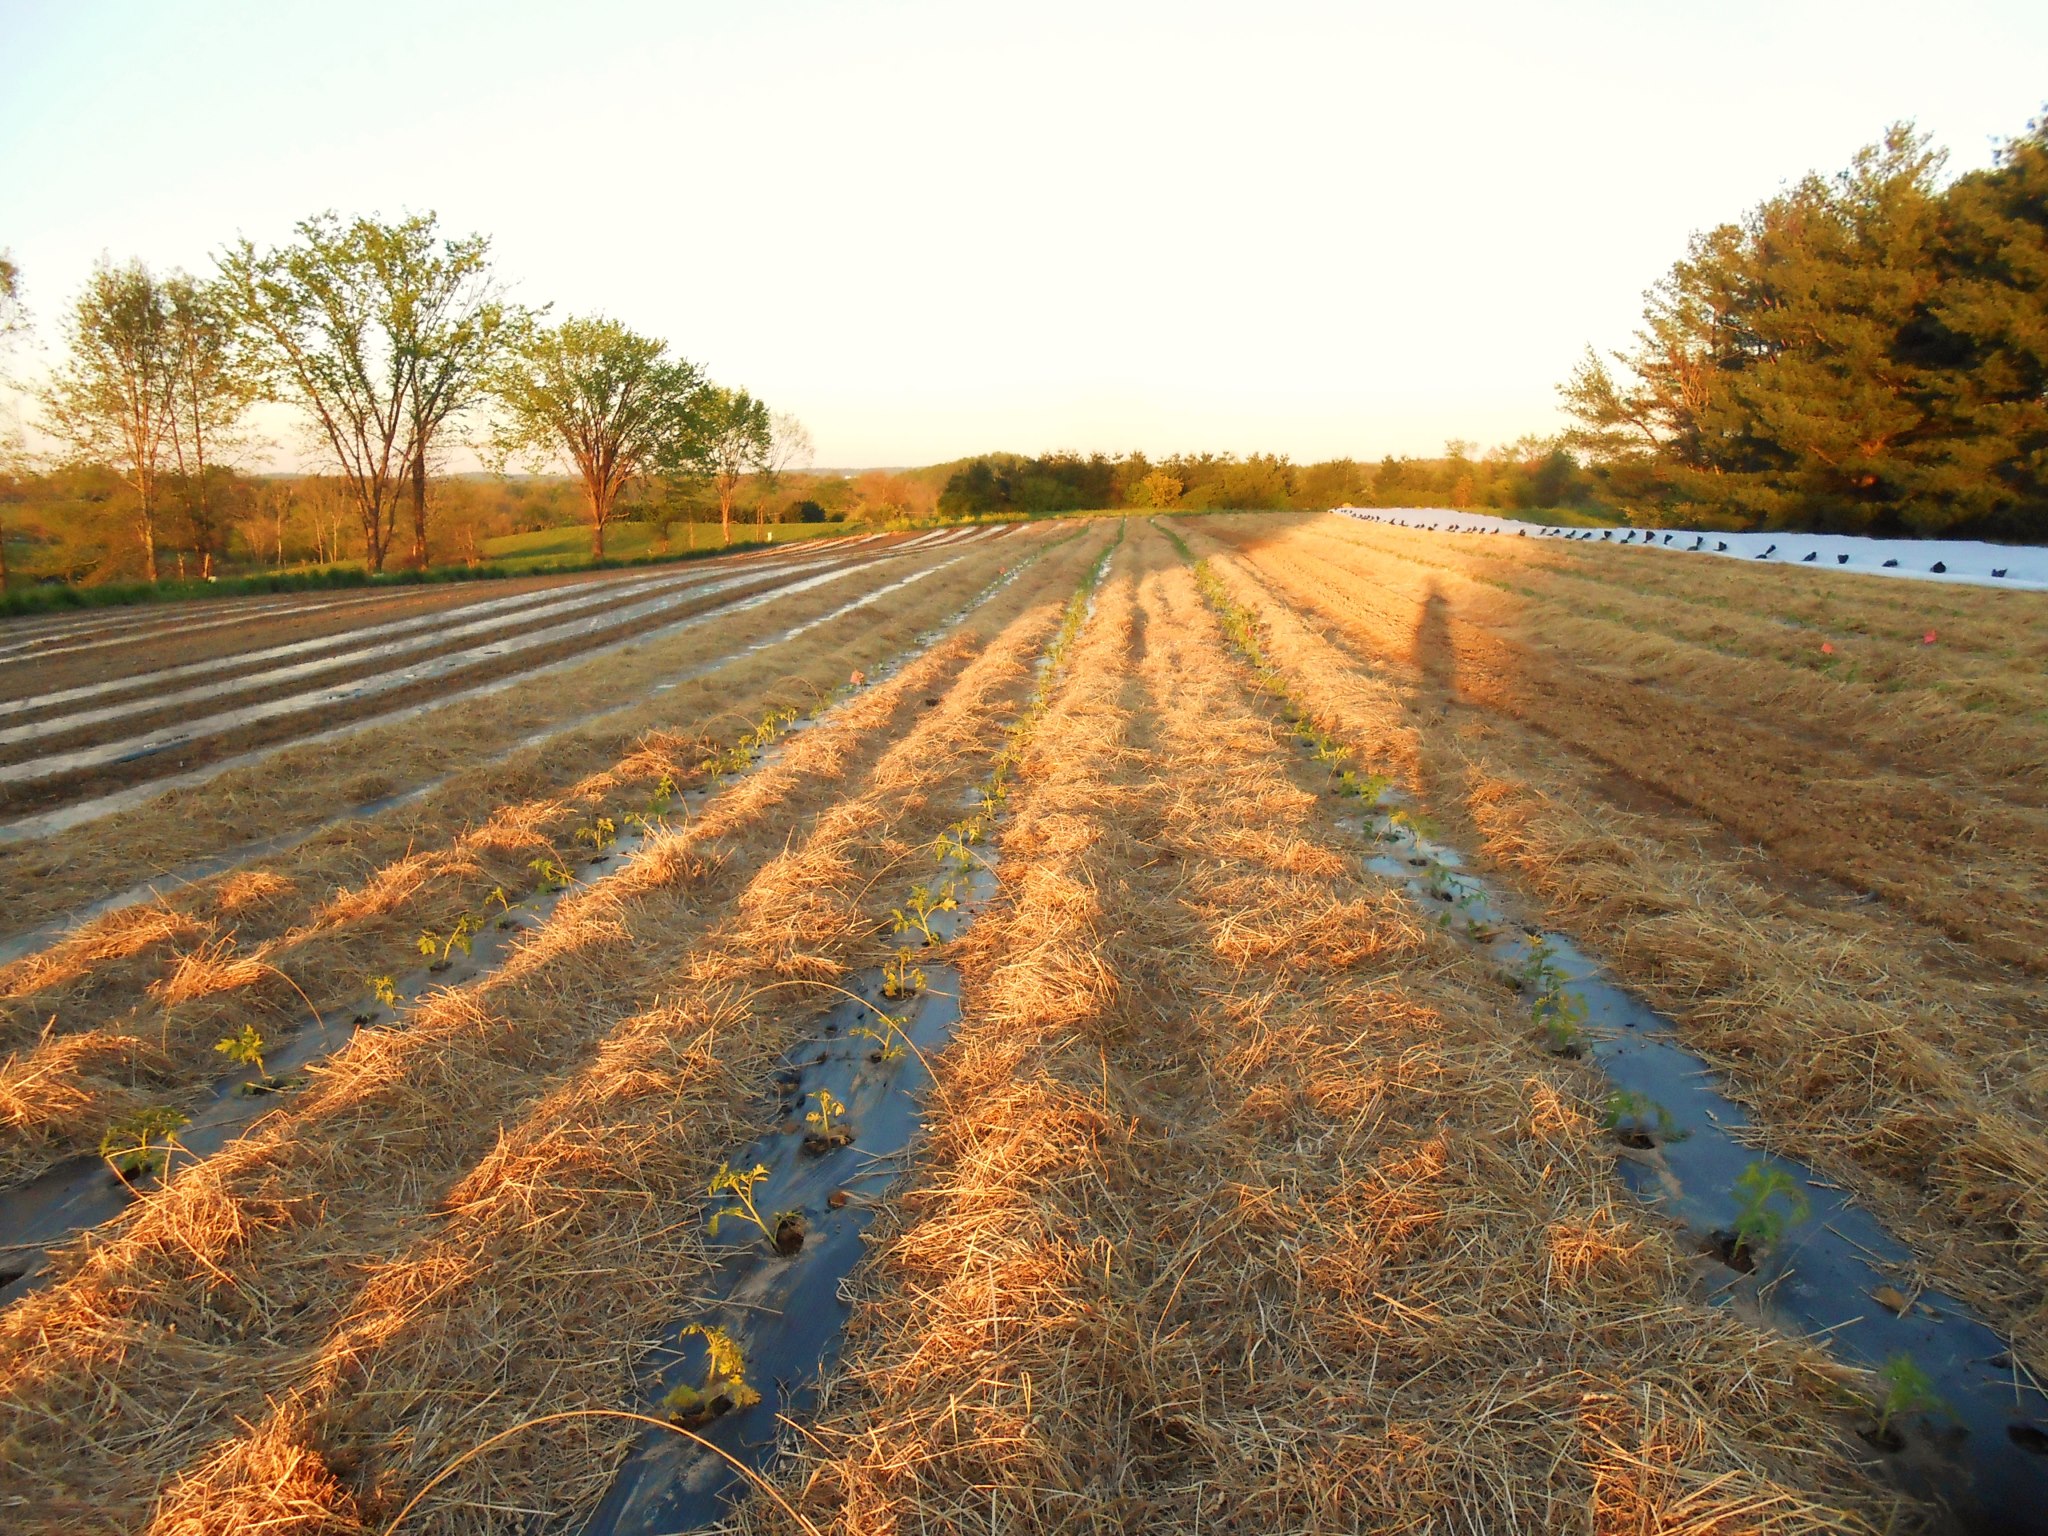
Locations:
{"points": [[148, 543], [419, 508], [373, 542]]}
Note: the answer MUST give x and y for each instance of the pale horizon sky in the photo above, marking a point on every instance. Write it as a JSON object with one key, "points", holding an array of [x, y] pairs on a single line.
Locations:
{"points": [[934, 230]]}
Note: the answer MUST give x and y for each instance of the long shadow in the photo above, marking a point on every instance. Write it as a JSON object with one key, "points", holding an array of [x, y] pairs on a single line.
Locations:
{"points": [[1974, 1435], [1436, 656]]}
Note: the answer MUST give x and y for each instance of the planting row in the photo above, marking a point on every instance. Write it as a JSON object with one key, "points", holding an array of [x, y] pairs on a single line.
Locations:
{"points": [[97, 1025], [54, 776], [1866, 1042], [1245, 1206], [508, 1185], [1947, 1402]]}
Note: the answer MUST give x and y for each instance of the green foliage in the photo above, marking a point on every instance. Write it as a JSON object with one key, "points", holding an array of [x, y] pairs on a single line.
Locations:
{"points": [[1563, 1016], [663, 799], [381, 332], [1561, 1013], [900, 978], [1858, 353], [600, 834], [724, 762], [245, 1048], [737, 1187], [889, 1034], [925, 903], [823, 1119], [1630, 1111], [552, 876], [609, 401], [440, 946], [724, 1388], [1523, 476], [1904, 1389], [1768, 1201], [1539, 971], [140, 1142], [955, 845], [737, 439], [1367, 787], [385, 990]]}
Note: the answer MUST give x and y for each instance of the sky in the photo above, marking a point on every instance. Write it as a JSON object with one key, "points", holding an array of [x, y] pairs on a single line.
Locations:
{"points": [[930, 230]]}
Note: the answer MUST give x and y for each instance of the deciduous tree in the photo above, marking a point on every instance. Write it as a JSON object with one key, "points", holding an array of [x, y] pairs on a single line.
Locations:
{"points": [[381, 332], [612, 403], [114, 398], [216, 378], [13, 451], [738, 440]]}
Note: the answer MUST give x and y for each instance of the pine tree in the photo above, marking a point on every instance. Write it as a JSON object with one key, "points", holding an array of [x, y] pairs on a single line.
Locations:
{"points": [[1992, 313]]}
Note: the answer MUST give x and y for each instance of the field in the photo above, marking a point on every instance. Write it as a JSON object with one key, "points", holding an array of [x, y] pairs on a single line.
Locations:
{"points": [[1244, 1023], [636, 541]]}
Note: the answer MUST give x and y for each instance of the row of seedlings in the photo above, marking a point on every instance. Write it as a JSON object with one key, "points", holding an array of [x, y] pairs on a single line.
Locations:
{"points": [[142, 1149], [786, 1214], [1954, 1416]]}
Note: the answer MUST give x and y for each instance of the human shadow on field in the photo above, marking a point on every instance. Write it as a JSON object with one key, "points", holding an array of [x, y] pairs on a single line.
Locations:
{"points": [[1431, 695], [1436, 656]]}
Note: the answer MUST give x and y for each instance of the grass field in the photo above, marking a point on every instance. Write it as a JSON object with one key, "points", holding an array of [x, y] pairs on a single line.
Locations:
{"points": [[1250, 1192], [637, 541]]}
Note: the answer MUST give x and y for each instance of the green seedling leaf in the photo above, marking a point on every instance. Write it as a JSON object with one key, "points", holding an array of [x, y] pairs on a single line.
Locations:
{"points": [[140, 1142], [244, 1047], [1769, 1200]]}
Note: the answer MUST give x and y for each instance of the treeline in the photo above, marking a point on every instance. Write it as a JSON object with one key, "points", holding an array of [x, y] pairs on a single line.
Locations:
{"points": [[395, 345], [1523, 476], [74, 522], [1866, 352]]}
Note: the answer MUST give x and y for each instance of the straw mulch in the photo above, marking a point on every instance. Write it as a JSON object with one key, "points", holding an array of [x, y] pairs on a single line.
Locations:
{"points": [[1909, 1072], [580, 1229], [1245, 1209], [1965, 852], [126, 1013], [248, 1339]]}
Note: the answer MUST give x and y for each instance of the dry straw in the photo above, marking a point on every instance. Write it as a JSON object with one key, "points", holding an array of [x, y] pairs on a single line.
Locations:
{"points": [[1861, 1042], [1244, 1208]]}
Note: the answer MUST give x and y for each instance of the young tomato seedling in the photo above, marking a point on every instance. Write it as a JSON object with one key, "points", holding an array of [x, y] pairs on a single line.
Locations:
{"points": [[890, 1037], [784, 1230], [1759, 1222], [724, 1387], [600, 835], [916, 915], [1906, 1390], [901, 979], [385, 990], [140, 1142], [245, 1048], [553, 877], [431, 944], [827, 1131], [1638, 1120], [1561, 1014]]}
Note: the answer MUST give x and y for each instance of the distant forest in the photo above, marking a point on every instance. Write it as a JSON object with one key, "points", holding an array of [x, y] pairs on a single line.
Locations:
{"points": [[1528, 475], [1866, 352]]}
